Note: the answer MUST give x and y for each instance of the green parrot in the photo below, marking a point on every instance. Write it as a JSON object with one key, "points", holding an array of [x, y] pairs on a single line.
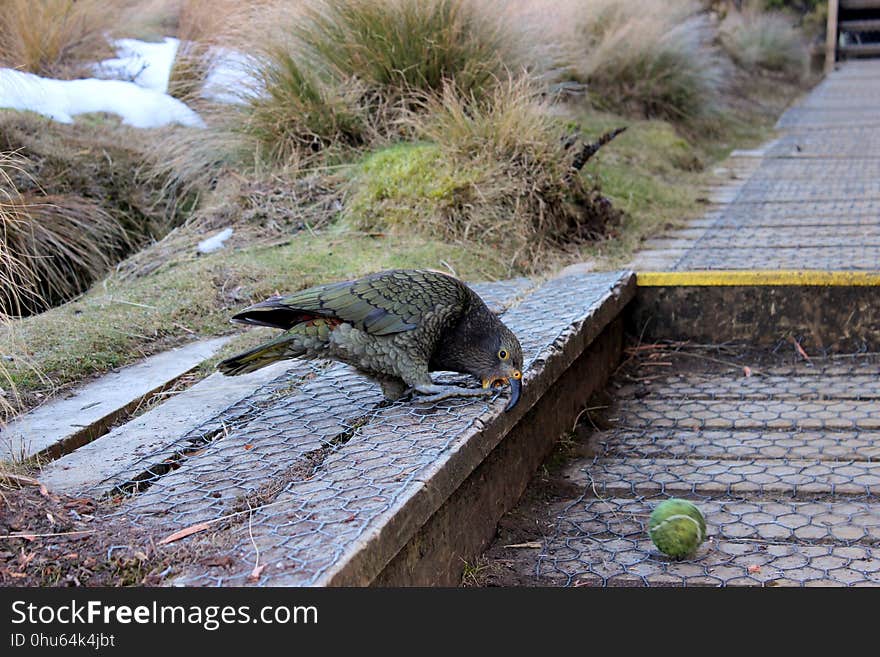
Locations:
{"points": [[396, 326]]}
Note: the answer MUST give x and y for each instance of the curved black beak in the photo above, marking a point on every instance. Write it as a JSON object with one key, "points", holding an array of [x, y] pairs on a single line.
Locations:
{"points": [[515, 389]]}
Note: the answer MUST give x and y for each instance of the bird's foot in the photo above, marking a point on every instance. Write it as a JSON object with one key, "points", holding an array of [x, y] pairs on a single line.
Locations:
{"points": [[434, 393], [394, 389]]}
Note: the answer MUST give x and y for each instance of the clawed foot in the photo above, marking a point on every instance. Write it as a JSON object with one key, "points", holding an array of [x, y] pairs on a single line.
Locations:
{"points": [[435, 393]]}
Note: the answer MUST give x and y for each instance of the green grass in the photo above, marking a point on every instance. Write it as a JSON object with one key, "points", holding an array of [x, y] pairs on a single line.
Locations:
{"points": [[119, 321], [400, 46], [658, 177]]}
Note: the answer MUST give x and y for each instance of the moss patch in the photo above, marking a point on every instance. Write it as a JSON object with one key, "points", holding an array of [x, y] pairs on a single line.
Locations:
{"points": [[406, 185]]}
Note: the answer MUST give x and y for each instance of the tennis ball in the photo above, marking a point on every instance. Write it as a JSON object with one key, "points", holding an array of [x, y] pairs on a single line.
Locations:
{"points": [[677, 528]]}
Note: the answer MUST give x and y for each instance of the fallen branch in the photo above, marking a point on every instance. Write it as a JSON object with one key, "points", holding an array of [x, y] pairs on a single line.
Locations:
{"points": [[18, 479], [30, 537], [589, 150]]}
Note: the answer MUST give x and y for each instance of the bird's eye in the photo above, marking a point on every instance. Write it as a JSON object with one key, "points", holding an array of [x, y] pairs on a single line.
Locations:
{"points": [[517, 375], [502, 354]]}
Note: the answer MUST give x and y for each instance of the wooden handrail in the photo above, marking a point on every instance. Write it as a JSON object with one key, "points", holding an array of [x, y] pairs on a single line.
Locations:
{"points": [[831, 36]]}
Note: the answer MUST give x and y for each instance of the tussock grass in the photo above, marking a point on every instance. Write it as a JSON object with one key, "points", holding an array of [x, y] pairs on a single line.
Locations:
{"points": [[494, 170], [59, 246], [12, 271], [301, 116], [765, 40], [650, 59], [76, 205], [203, 26], [51, 247], [398, 46], [347, 70], [54, 38]]}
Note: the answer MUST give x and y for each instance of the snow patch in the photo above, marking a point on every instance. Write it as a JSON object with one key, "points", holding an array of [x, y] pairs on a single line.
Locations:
{"points": [[147, 64], [231, 79], [61, 100], [215, 242]]}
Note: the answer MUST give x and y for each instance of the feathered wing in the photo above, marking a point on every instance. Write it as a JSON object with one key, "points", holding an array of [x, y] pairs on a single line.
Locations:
{"points": [[381, 304]]}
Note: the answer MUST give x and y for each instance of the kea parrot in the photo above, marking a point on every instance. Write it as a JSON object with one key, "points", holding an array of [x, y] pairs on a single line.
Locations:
{"points": [[396, 326]]}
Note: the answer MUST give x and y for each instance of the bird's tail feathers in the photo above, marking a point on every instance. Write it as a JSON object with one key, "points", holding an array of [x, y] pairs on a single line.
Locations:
{"points": [[259, 357]]}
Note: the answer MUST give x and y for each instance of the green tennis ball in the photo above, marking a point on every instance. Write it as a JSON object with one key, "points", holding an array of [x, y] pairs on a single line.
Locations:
{"points": [[677, 528]]}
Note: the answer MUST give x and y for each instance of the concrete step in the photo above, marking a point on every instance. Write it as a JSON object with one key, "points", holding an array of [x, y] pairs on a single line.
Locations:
{"points": [[762, 385], [764, 478], [848, 142], [824, 258], [741, 444], [860, 4], [349, 489], [860, 49], [844, 523], [583, 561], [152, 441], [762, 190], [821, 116], [797, 214], [85, 413], [748, 414], [819, 169], [863, 25], [746, 237]]}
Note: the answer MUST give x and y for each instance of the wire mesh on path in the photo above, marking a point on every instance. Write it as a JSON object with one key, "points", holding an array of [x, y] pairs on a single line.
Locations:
{"points": [[783, 465], [307, 468]]}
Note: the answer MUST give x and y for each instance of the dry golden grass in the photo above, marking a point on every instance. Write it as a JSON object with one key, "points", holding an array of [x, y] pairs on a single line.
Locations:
{"points": [[11, 270], [652, 59], [202, 27], [495, 170], [765, 40], [51, 247], [54, 38], [647, 59]]}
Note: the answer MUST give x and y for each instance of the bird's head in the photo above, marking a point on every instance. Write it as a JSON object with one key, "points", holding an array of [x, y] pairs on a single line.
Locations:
{"points": [[499, 362]]}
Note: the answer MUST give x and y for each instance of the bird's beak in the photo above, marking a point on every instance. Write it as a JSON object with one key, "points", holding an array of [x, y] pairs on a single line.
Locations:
{"points": [[515, 388], [515, 383]]}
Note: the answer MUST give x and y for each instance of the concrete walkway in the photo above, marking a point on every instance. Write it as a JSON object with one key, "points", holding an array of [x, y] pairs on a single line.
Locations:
{"points": [[810, 200], [779, 451]]}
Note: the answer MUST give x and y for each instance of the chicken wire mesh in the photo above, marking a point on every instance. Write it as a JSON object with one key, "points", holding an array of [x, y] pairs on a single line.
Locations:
{"points": [[605, 542], [302, 470], [789, 489]]}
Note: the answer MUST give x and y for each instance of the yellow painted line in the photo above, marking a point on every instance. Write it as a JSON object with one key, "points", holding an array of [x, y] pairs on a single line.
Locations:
{"points": [[714, 278]]}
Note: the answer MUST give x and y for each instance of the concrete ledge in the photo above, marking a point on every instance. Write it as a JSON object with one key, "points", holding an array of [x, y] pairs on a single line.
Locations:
{"points": [[340, 484], [842, 318], [457, 509], [63, 424]]}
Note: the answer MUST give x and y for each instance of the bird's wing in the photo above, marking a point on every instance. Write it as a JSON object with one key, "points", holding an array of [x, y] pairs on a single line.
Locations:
{"points": [[381, 304]]}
